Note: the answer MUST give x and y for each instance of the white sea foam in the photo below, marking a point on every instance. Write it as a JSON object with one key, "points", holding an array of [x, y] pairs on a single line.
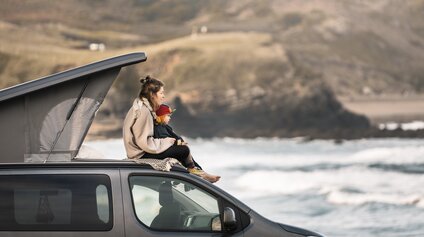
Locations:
{"points": [[362, 185], [340, 197], [109, 149], [390, 155], [228, 158], [414, 125]]}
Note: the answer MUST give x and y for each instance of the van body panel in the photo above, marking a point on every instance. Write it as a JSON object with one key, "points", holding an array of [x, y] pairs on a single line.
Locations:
{"points": [[261, 226], [126, 221]]}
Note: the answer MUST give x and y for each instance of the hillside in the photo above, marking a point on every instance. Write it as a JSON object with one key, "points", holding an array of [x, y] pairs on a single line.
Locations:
{"points": [[279, 65], [361, 47]]}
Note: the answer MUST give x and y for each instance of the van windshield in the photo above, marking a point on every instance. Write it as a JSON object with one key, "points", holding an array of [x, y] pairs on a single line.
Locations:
{"points": [[198, 196]]}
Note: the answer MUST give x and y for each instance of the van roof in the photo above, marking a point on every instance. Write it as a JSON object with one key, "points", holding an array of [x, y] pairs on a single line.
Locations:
{"points": [[86, 163]]}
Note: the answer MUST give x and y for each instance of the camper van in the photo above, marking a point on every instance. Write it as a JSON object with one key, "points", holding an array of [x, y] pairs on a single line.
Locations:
{"points": [[45, 190]]}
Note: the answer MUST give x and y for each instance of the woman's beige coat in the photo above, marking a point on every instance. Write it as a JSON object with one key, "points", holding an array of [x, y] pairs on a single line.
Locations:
{"points": [[138, 131]]}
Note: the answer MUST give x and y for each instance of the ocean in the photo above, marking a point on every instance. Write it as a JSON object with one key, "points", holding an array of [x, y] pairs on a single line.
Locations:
{"points": [[369, 187]]}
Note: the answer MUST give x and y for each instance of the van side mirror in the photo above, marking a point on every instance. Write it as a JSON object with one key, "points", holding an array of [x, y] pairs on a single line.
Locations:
{"points": [[230, 222]]}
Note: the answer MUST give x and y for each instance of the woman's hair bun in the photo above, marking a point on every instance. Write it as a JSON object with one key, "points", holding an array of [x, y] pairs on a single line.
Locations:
{"points": [[144, 80]]}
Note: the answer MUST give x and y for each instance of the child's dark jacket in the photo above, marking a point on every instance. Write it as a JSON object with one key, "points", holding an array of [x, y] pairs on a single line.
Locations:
{"points": [[164, 130]]}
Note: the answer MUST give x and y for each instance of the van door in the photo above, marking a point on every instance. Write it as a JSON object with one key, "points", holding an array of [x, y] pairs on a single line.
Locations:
{"points": [[159, 204]]}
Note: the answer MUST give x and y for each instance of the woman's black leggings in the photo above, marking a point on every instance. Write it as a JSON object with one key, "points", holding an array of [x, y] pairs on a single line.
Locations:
{"points": [[179, 152]]}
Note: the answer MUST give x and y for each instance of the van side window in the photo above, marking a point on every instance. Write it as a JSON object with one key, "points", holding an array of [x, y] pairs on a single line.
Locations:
{"points": [[102, 198], [169, 204], [55, 202]]}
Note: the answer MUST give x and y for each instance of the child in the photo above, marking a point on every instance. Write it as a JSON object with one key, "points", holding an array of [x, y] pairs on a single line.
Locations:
{"points": [[163, 130]]}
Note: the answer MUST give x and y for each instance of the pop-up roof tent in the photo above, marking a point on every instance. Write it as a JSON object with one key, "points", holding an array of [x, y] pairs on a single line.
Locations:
{"points": [[47, 119]]}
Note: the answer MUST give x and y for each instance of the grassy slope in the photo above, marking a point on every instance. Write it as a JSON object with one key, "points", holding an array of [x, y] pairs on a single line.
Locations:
{"points": [[196, 69]]}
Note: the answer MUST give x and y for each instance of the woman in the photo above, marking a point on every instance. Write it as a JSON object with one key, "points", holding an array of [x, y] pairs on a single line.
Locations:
{"points": [[138, 130]]}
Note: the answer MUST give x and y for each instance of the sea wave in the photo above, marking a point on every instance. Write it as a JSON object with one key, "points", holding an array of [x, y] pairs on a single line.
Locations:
{"points": [[354, 198], [412, 168], [368, 185], [390, 155], [286, 153]]}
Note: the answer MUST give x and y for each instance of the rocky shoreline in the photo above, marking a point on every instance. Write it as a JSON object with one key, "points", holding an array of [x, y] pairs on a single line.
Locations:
{"points": [[319, 116], [338, 135]]}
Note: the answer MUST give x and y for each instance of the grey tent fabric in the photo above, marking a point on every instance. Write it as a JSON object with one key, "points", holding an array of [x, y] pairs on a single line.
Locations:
{"points": [[48, 119], [65, 113]]}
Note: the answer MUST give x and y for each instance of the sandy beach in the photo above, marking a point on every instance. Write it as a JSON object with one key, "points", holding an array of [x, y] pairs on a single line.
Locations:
{"points": [[387, 108]]}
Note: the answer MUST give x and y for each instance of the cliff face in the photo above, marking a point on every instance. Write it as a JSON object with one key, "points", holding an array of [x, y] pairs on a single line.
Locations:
{"points": [[317, 114], [276, 110]]}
